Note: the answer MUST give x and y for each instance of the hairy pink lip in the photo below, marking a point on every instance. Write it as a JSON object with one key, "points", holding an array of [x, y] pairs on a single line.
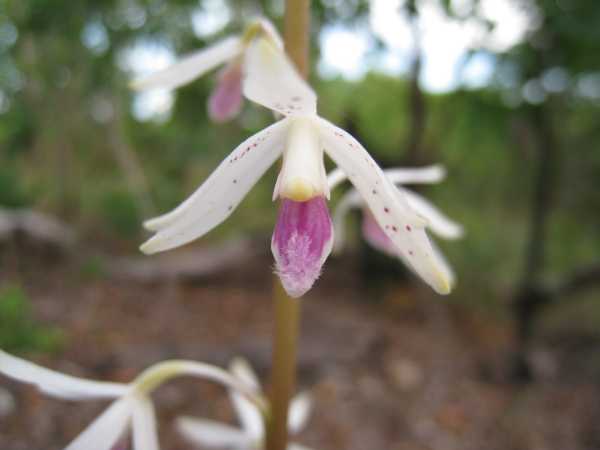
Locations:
{"points": [[301, 242]]}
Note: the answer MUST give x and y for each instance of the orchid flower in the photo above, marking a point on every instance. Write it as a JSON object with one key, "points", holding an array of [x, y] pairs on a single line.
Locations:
{"points": [[437, 222], [303, 236], [225, 102], [251, 436], [132, 407]]}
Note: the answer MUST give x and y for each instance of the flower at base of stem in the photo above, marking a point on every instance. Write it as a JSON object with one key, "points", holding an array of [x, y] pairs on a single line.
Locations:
{"points": [[302, 241]]}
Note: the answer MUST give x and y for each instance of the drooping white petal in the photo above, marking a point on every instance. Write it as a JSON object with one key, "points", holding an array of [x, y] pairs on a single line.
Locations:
{"points": [[107, 429], [437, 221], [221, 193], [209, 433], [191, 66], [299, 412], [144, 425], [249, 416], [57, 384], [272, 81], [402, 225], [302, 175]]}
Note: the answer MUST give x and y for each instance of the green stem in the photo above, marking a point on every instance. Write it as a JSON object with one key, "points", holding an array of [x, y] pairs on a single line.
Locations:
{"points": [[283, 376], [297, 33], [287, 309]]}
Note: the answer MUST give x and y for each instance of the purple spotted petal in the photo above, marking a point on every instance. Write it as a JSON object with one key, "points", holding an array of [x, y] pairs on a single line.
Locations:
{"points": [[375, 236], [301, 243], [225, 102]]}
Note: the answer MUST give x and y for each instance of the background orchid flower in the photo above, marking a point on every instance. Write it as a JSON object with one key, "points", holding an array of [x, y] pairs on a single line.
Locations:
{"points": [[132, 407], [303, 236], [437, 221], [225, 102], [251, 436]]}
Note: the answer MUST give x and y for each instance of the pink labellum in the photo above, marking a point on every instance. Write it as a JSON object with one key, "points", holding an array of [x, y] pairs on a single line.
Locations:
{"points": [[301, 243], [225, 102], [375, 236]]}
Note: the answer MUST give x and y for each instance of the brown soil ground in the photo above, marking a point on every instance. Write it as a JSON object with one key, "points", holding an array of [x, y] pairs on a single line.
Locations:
{"points": [[406, 371]]}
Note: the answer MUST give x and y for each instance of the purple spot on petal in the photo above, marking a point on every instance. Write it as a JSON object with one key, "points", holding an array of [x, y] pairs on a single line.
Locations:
{"points": [[225, 101], [301, 242]]}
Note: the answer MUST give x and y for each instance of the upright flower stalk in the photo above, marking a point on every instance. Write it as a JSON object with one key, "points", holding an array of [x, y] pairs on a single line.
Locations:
{"points": [[286, 309]]}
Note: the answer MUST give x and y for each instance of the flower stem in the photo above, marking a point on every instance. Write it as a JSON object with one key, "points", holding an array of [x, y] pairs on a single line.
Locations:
{"points": [[287, 309], [283, 376], [297, 33]]}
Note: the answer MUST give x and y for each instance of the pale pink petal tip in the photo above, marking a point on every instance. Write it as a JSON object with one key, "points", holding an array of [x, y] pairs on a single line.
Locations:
{"points": [[375, 236], [301, 243], [225, 102]]}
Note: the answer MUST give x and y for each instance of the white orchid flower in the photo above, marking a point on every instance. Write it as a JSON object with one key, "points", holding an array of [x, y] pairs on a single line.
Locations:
{"points": [[437, 222], [303, 235], [225, 102], [251, 436], [132, 408]]}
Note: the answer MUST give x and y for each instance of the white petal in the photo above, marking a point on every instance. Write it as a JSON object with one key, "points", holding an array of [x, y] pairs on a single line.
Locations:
{"points": [[191, 66], [437, 221], [299, 412], [421, 175], [249, 416], [212, 434], [272, 81], [241, 369], [107, 429], [57, 384], [403, 226], [294, 446], [417, 175], [350, 200], [144, 425], [221, 193]]}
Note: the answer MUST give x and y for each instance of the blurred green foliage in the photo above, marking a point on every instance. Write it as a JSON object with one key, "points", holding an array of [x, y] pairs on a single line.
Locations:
{"points": [[19, 332], [69, 108]]}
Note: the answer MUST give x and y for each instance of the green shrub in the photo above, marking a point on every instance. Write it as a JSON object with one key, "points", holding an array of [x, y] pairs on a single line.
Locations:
{"points": [[18, 331]]}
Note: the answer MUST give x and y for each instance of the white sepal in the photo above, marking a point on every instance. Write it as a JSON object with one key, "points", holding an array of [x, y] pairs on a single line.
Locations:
{"points": [[220, 194], [300, 408], [393, 213], [417, 175], [437, 221], [57, 384], [107, 429], [209, 433], [272, 81], [249, 415], [191, 66], [421, 175], [144, 424], [302, 174]]}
